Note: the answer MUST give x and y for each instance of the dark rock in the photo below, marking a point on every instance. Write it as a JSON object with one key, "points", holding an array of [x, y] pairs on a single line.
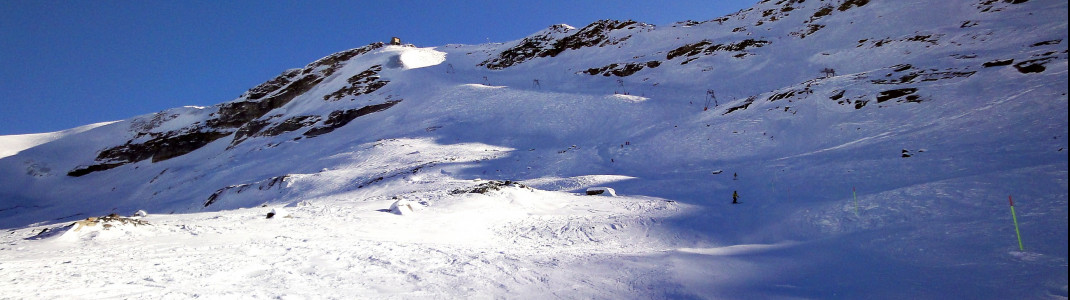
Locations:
{"points": [[837, 95], [622, 71], [527, 49], [1045, 43], [789, 94], [896, 93], [593, 35], [746, 103], [998, 62], [688, 50], [291, 124], [859, 104], [239, 117], [852, 3], [489, 186], [821, 12], [708, 48], [1033, 65], [334, 61], [342, 117], [363, 83], [262, 185], [272, 85], [257, 128], [82, 170]]}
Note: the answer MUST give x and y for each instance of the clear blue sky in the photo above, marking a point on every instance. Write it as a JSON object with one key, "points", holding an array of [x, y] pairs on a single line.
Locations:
{"points": [[69, 63]]}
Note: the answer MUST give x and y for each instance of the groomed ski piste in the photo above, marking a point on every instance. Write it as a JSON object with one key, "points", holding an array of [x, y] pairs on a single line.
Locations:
{"points": [[462, 171]]}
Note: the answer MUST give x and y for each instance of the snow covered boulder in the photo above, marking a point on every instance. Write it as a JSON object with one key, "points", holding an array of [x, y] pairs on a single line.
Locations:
{"points": [[91, 228], [489, 186], [402, 207], [601, 191], [279, 212], [139, 214]]}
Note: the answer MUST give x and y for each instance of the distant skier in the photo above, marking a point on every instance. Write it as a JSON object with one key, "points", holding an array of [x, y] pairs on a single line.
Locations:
{"points": [[735, 197]]}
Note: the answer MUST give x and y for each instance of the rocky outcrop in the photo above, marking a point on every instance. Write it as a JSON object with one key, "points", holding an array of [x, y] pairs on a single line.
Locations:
{"points": [[745, 105], [363, 83], [896, 93], [267, 127], [162, 147], [242, 116], [342, 117], [622, 70], [277, 182], [707, 47], [489, 186], [528, 48], [597, 34], [906, 73]]}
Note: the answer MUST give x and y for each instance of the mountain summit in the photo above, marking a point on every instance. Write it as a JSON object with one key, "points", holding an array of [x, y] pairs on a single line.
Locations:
{"points": [[872, 144]]}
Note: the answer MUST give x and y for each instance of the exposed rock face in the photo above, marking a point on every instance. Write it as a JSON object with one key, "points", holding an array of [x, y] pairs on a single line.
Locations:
{"points": [[707, 47], [489, 186], [277, 182], [363, 83], [596, 34], [272, 85], [342, 117], [624, 70], [239, 117], [262, 127], [896, 93], [906, 73], [528, 48], [745, 105]]}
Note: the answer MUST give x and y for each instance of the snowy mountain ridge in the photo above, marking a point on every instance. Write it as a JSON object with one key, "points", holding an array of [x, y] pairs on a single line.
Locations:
{"points": [[859, 133]]}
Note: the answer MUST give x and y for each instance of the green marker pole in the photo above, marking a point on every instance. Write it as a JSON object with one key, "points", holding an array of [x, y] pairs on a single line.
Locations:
{"points": [[1015, 218], [855, 196]]}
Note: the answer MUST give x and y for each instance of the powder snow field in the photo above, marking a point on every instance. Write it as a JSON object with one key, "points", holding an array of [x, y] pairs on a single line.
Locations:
{"points": [[888, 179]]}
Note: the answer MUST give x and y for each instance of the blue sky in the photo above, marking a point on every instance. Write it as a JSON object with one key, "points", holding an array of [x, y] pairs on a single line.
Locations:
{"points": [[69, 63]]}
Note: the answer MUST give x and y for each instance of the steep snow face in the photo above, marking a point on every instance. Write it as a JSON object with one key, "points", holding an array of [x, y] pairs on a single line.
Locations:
{"points": [[13, 144], [866, 139]]}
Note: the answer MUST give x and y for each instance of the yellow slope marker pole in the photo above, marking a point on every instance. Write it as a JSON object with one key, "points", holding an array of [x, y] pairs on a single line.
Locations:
{"points": [[1015, 218]]}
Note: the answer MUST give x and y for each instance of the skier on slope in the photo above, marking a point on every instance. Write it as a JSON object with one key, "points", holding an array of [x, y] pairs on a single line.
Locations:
{"points": [[735, 197]]}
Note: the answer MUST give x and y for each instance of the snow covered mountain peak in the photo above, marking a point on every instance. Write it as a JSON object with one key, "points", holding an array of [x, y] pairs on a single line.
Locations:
{"points": [[881, 134]]}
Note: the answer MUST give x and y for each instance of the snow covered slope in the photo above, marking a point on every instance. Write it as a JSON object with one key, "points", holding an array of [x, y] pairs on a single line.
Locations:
{"points": [[873, 144], [13, 144]]}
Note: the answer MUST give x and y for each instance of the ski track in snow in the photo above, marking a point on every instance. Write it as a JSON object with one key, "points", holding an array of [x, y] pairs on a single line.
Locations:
{"points": [[342, 249]]}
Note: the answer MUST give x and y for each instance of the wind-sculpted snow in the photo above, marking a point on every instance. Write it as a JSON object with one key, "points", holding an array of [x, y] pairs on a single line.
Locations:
{"points": [[869, 146]]}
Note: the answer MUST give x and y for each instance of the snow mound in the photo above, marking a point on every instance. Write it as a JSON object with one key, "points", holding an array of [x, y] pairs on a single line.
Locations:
{"points": [[402, 207], [574, 183], [737, 249], [279, 212], [419, 58], [627, 98], [95, 228]]}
